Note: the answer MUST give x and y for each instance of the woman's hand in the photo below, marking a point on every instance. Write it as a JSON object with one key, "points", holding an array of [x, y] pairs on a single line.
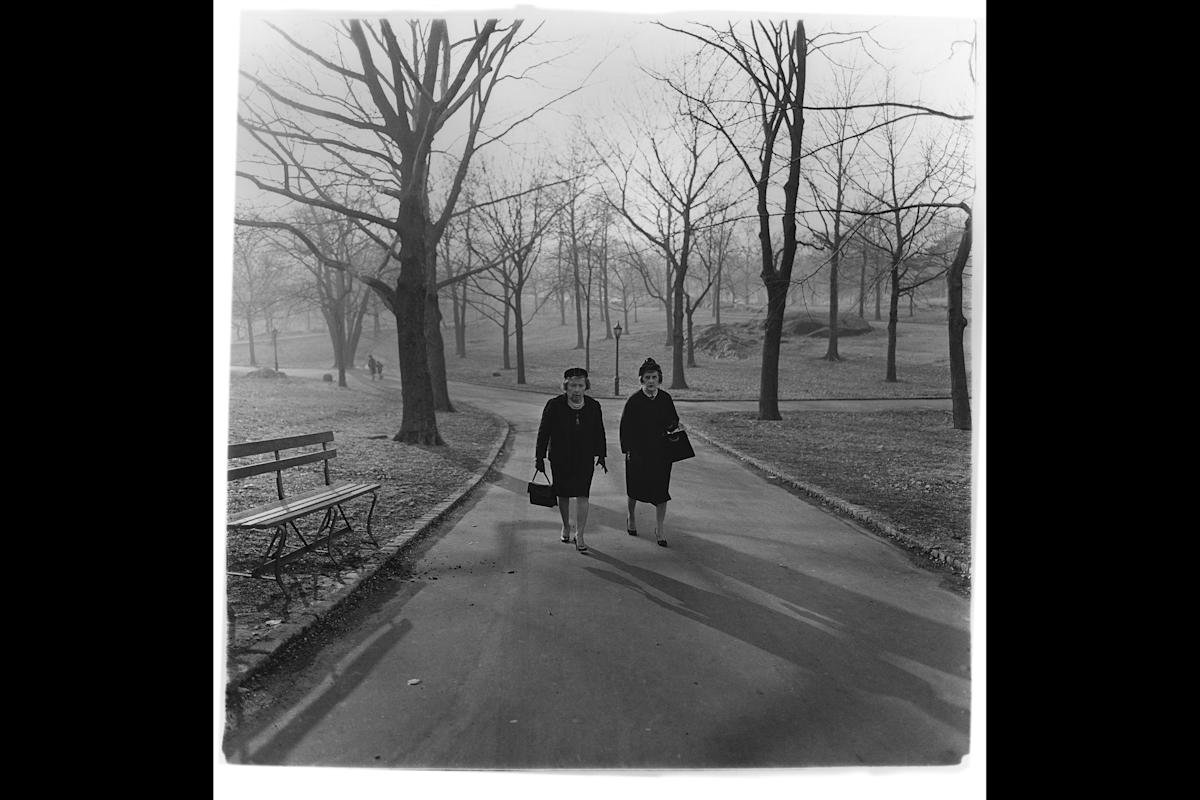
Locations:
{"points": [[600, 463]]}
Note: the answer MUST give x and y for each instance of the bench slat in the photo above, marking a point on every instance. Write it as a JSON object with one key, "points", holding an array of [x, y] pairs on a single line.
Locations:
{"points": [[281, 511], [284, 443], [281, 464]]}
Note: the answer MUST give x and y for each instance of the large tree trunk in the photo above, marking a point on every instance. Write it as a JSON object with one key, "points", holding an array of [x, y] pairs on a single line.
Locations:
{"points": [[959, 392], [862, 284], [435, 347], [831, 352], [419, 421], [460, 321], [562, 303], [678, 379], [608, 334], [691, 341], [579, 342], [768, 388], [878, 296], [250, 335], [520, 331], [435, 344], [717, 296], [356, 329], [893, 318], [335, 326], [339, 345]]}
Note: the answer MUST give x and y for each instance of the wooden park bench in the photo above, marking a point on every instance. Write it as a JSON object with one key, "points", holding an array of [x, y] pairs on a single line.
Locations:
{"points": [[280, 516]]}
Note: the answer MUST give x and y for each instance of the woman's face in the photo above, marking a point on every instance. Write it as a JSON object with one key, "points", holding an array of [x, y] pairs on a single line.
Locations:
{"points": [[575, 387], [650, 380]]}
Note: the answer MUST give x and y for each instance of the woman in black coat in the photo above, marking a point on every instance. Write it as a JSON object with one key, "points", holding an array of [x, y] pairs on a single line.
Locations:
{"points": [[649, 413], [572, 430]]}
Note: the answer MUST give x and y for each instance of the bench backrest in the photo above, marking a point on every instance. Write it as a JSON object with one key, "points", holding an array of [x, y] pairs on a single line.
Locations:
{"points": [[278, 464]]}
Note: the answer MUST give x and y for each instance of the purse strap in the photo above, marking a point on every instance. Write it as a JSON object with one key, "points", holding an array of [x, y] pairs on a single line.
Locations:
{"points": [[547, 477]]}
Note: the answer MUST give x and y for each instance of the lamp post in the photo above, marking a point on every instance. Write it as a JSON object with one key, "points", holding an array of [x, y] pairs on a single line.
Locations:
{"points": [[275, 345], [617, 364]]}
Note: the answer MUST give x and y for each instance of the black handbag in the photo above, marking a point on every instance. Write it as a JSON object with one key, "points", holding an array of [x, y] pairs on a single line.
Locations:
{"points": [[678, 446], [541, 494]]}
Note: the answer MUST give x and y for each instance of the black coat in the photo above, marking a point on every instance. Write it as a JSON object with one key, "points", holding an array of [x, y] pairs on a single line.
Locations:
{"points": [[572, 439], [643, 424]]}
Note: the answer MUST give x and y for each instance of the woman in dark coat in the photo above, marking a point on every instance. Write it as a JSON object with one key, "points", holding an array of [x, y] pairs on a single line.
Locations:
{"points": [[572, 430], [649, 413]]}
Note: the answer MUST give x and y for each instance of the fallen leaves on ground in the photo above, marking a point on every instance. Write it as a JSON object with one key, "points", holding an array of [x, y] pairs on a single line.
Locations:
{"points": [[414, 479]]}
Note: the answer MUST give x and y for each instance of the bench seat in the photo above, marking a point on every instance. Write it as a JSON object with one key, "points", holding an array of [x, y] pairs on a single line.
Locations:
{"points": [[280, 512]]}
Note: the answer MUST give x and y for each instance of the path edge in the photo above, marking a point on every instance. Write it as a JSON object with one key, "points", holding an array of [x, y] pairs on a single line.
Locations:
{"points": [[286, 637], [869, 519]]}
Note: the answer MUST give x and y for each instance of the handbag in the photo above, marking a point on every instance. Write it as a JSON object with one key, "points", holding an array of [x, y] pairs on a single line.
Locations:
{"points": [[677, 445], [541, 494]]}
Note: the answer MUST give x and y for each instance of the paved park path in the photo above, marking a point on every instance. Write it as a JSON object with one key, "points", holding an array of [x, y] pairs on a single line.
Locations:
{"points": [[769, 634]]}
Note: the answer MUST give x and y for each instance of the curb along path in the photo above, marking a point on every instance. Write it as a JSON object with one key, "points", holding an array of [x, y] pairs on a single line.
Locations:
{"points": [[868, 518], [283, 637]]}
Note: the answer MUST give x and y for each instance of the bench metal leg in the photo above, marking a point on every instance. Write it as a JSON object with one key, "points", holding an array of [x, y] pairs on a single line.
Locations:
{"points": [[370, 512]]}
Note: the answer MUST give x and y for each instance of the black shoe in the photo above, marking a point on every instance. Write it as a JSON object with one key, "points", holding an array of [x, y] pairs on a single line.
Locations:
{"points": [[631, 532]]}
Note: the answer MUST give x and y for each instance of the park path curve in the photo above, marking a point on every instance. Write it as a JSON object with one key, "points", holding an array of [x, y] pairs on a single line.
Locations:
{"points": [[769, 634]]}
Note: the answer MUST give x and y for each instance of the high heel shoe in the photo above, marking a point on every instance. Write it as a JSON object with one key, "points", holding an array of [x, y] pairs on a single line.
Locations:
{"points": [[659, 540], [580, 547]]}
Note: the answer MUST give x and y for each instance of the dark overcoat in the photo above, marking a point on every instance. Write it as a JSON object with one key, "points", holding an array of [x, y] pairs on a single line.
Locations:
{"points": [[643, 425], [572, 439]]}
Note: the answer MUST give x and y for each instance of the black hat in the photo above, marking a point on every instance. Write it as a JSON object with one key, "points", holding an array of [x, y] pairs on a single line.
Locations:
{"points": [[575, 372], [649, 365]]}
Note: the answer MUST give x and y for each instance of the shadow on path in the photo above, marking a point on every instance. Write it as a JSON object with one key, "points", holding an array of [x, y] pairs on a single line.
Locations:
{"points": [[839, 658]]}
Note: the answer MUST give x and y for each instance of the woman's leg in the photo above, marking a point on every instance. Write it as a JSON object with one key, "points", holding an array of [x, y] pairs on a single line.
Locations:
{"points": [[630, 522], [564, 511], [660, 516], [581, 516]]}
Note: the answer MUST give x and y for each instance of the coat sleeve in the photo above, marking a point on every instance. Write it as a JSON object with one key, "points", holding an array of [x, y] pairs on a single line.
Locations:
{"points": [[543, 436], [672, 414], [598, 438], [626, 427]]}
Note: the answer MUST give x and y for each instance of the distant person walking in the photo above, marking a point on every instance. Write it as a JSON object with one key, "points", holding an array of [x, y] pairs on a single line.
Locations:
{"points": [[572, 431], [379, 368], [372, 364], [649, 413]]}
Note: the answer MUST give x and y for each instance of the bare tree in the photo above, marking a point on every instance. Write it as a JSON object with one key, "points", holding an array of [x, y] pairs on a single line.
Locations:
{"points": [[912, 192], [259, 277], [828, 179], [772, 58], [342, 301], [957, 322], [385, 142], [515, 227], [669, 184]]}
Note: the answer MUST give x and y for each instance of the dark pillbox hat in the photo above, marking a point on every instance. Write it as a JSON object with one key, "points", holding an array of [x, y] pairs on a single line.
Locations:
{"points": [[649, 365], [575, 372]]}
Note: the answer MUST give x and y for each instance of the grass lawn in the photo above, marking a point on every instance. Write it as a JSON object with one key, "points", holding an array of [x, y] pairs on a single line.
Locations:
{"points": [[909, 466], [415, 479], [912, 467], [923, 367]]}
